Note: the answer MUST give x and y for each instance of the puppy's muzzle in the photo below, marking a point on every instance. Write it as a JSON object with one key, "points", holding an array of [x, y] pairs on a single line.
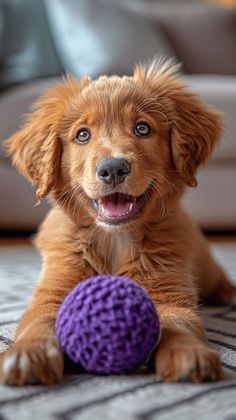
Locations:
{"points": [[113, 171]]}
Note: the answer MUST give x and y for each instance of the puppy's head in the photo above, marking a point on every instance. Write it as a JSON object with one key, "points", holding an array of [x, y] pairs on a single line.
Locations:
{"points": [[117, 148]]}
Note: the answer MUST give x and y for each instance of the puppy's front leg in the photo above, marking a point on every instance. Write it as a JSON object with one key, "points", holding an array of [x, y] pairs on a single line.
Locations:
{"points": [[36, 355], [183, 353]]}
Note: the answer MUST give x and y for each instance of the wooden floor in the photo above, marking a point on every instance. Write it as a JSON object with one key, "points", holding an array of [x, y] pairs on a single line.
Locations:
{"points": [[221, 239], [15, 241]]}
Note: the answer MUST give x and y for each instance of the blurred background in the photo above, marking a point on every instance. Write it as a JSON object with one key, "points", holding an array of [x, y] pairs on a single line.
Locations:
{"points": [[41, 39]]}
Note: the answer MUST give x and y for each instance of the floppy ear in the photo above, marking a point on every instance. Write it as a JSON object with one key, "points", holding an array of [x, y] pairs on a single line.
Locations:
{"points": [[195, 132], [194, 128], [35, 152], [36, 148]]}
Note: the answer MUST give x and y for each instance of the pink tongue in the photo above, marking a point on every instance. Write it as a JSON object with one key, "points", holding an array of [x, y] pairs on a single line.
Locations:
{"points": [[115, 205]]}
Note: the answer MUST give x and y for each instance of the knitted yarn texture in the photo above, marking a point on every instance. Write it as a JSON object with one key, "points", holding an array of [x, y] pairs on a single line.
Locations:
{"points": [[108, 324]]}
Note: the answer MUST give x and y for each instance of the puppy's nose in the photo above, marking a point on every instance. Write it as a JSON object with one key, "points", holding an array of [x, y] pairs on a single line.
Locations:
{"points": [[113, 171]]}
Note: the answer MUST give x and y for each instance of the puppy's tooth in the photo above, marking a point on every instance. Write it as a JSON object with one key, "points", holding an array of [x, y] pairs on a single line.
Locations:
{"points": [[131, 207]]}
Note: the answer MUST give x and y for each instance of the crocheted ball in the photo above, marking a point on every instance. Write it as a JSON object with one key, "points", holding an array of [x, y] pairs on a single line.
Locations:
{"points": [[108, 324]]}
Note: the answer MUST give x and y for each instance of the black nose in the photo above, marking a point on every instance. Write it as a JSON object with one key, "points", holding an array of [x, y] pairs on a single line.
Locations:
{"points": [[113, 171]]}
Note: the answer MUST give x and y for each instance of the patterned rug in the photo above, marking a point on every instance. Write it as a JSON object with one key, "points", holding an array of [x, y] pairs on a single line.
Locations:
{"points": [[139, 396]]}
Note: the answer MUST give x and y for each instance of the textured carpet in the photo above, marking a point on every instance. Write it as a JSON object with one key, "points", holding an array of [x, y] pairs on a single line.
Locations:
{"points": [[125, 397]]}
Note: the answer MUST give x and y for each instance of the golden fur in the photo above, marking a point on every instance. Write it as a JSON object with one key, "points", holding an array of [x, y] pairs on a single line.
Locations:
{"points": [[161, 249]]}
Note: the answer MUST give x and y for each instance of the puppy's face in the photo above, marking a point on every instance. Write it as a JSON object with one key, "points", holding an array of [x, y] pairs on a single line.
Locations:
{"points": [[117, 149]]}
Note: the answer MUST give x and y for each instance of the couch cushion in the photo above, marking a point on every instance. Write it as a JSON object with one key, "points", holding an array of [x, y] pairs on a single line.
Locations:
{"points": [[96, 37], [213, 203], [17, 210], [107, 36], [204, 36], [14, 103], [220, 92], [26, 49]]}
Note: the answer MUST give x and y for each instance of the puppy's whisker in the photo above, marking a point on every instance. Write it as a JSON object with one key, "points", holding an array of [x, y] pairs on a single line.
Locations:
{"points": [[105, 262], [69, 195], [65, 191], [75, 191], [151, 104], [92, 231], [163, 180], [152, 101], [163, 201], [78, 203], [66, 195], [131, 247], [138, 154], [155, 111]]}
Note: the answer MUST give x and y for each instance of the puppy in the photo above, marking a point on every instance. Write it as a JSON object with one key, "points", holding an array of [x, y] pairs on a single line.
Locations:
{"points": [[115, 155]]}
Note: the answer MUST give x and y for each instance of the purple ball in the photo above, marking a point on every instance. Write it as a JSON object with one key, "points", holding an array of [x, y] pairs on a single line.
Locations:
{"points": [[108, 324]]}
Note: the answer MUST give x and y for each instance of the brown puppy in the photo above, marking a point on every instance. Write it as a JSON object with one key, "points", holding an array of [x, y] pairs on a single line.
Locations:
{"points": [[115, 155]]}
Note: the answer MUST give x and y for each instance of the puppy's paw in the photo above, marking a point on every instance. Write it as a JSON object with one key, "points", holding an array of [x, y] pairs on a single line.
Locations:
{"points": [[188, 362], [31, 362]]}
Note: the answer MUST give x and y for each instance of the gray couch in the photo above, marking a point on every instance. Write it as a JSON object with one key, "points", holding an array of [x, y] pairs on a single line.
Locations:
{"points": [[104, 36]]}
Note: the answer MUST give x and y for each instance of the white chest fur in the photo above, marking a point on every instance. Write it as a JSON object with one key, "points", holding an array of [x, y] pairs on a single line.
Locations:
{"points": [[116, 250]]}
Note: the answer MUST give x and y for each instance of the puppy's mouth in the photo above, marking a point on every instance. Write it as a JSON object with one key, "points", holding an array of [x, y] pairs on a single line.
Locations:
{"points": [[118, 208]]}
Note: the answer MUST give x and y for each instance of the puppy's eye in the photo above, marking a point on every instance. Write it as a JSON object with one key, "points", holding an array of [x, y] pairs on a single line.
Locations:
{"points": [[83, 136], [142, 129]]}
